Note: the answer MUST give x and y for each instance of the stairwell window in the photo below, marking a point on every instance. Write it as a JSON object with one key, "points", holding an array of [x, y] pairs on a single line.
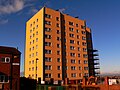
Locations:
{"points": [[48, 51], [47, 36], [47, 43], [48, 59], [48, 29], [48, 67], [47, 16], [48, 22]]}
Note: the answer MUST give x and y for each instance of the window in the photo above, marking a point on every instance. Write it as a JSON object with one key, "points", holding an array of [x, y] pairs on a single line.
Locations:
{"points": [[85, 55], [47, 16], [37, 20], [4, 78], [30, 36], [76, 25], [71, 35], [36, 39], [85, 61], [84, 44], [33, 41], [86, 74], [72, 54], [83, 27], [33, 28], [58, 45], [78, 55], [48, 51], [48, 29], [85, 68], [83, 32], [47, 43], [72, 41], [77, 31], [71, 29], [78, 42], [36, 26], [73, 68], [79, 61], [58, 25], [83, 38], [34, 22], [80, 75], [5, 59], [73, 61], [32, 61], [80, 68], [58, 59], [32, 54], [47, 36], [33, 35], [32, 68], [73, 75], [78, 36], [58, 32], [48, 67], [36, 32], [48, 22], [58, 38], [57, 18], [48, 59], [29, 62], [29, 69], [71, 23], [32, 48], [58, 75], [36, 53], [36, 46], [58, 67], [84, 49], [30, 43], [47, 75], [30, 31], [72, 48], [78, 48], [58, 52]]}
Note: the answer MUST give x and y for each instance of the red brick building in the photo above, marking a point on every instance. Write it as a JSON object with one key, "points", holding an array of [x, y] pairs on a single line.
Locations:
{"points": [[9, 68]]}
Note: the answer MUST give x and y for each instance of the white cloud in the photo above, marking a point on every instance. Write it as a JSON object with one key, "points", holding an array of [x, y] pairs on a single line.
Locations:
{"points": [[33, 11], [3, 21], [11, 6]]}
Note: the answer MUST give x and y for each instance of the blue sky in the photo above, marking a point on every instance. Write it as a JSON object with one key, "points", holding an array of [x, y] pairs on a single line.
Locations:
{"points": [[102, 16]]}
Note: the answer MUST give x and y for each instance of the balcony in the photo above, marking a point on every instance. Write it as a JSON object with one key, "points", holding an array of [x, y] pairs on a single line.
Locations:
{"points": [[96, 67]]}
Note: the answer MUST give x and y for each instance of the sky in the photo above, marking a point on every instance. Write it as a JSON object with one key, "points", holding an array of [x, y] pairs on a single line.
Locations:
{"points": [[102, 16]]}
